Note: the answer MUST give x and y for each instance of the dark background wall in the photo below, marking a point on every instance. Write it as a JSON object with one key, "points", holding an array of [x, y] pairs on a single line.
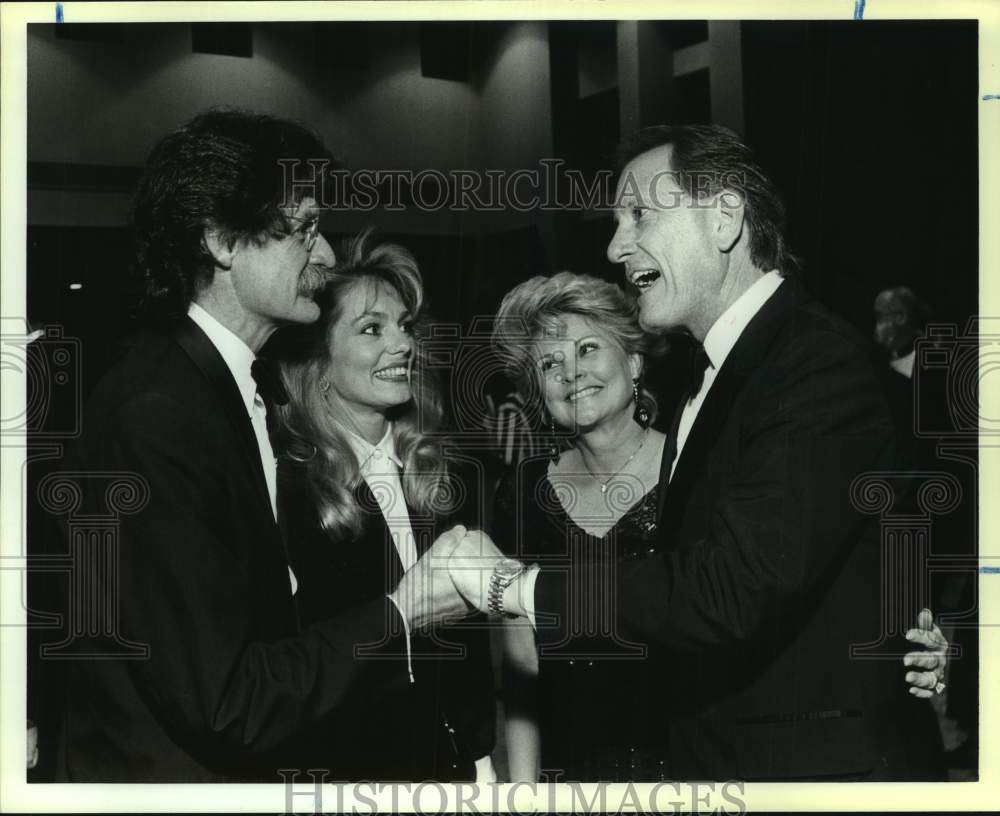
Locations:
{"points": [[870, 130]]}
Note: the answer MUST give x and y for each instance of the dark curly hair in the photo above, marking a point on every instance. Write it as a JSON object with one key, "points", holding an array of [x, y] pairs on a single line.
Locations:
{"points": [[223, 170], [710, 158]]}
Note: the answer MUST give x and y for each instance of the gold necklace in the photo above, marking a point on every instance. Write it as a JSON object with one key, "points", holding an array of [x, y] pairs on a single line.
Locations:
{"points": [[606, 482]]}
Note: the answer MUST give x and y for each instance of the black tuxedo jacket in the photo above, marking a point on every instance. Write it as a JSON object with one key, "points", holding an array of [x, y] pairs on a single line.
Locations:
{"points": [[432, 728], [767, 573], [200, 577]]}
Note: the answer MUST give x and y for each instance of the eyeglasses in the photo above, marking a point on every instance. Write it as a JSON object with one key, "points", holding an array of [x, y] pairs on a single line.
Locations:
{"points": [[307, 231]]}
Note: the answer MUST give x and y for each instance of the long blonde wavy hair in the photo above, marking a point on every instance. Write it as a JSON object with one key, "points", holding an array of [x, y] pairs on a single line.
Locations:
{"points": [[309, 434]]}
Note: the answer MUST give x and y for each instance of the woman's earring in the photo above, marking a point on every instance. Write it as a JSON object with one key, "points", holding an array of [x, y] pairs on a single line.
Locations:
{"points": [[640, 410], [324, 385], [553, 446]]}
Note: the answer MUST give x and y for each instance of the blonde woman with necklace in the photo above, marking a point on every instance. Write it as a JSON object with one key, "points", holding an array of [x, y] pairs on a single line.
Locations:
{"points": [[573, 341]]}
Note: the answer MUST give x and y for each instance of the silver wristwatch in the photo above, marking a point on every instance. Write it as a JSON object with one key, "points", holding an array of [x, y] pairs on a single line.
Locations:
{"points": [[504, 574]]}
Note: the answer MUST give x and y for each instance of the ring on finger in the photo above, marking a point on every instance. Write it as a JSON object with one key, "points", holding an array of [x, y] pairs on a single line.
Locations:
{"points": [[939, 688]]}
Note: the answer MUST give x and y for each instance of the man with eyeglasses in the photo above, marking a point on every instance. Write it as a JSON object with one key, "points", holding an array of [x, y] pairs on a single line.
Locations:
{"points": [[204, 674]]}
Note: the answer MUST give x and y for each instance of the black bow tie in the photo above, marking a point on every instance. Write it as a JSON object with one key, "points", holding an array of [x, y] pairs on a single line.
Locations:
{"points": [[269, 384]]}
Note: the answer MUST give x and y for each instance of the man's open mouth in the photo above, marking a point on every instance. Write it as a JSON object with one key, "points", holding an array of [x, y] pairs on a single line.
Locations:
{"points": [[644, 278]]}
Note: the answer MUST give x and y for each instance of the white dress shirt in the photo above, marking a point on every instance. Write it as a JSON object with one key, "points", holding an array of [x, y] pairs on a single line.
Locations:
{"points": [[719, 342], [380, 467], [238, 359], [904, 364]]}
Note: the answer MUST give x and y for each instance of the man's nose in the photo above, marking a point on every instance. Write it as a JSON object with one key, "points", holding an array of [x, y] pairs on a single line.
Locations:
{"points": [[622, 244], [322, 253]]}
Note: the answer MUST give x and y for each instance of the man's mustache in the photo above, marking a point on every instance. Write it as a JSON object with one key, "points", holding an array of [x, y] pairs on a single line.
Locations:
{"points": [[312, 279]]}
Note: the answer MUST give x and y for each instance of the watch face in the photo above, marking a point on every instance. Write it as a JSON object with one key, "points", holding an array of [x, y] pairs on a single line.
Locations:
{"points": [[508, 568]]}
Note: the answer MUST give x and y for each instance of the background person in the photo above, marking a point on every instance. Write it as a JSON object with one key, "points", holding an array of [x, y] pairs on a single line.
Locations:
{"points": [[900, 318]]}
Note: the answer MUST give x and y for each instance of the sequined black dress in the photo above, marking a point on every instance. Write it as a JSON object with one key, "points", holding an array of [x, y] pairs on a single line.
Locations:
{"points": [[603, 700]]}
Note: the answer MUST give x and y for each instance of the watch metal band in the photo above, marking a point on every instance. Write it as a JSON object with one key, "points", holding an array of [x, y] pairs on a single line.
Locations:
{"points": [[498, 585]]}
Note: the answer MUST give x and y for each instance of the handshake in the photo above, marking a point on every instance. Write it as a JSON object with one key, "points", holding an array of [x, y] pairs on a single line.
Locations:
{"points": [[451, 580]]}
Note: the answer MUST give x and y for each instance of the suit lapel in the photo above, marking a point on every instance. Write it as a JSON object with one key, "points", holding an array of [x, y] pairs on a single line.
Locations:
{"points": [[669, 452], [747, 355], [703, 434], [382, 534], [204, 355]]}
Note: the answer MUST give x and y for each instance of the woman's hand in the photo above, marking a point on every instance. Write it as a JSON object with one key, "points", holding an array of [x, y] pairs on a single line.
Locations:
{"points": [[32, 753], [931, 661], [426, 594]]}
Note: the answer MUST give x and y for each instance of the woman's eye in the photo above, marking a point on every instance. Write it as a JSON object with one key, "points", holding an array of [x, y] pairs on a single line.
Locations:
{"points": [[372, 328], [548, 364], [637, 213], [406, 328], [586, 348]]}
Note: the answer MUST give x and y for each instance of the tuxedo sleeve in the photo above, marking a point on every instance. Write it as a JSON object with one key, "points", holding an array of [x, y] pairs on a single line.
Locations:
{"points": [[212, 679], [810, 423]]}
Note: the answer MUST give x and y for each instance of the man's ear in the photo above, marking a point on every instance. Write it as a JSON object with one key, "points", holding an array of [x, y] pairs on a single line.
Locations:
{"points": [[221, 250], [730, 211]]}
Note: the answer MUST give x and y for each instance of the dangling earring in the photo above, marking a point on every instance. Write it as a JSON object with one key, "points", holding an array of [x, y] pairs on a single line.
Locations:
{"points": [[553, 446], [640, 410], [324, 385]]}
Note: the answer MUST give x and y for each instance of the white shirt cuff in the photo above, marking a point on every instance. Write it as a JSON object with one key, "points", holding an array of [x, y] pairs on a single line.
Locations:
{"points": [[527, 583], [485, 772], [406, 628]]}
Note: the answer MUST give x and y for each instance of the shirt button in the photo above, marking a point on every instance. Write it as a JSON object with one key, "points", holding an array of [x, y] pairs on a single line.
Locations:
{"points": [[377, 454]]}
